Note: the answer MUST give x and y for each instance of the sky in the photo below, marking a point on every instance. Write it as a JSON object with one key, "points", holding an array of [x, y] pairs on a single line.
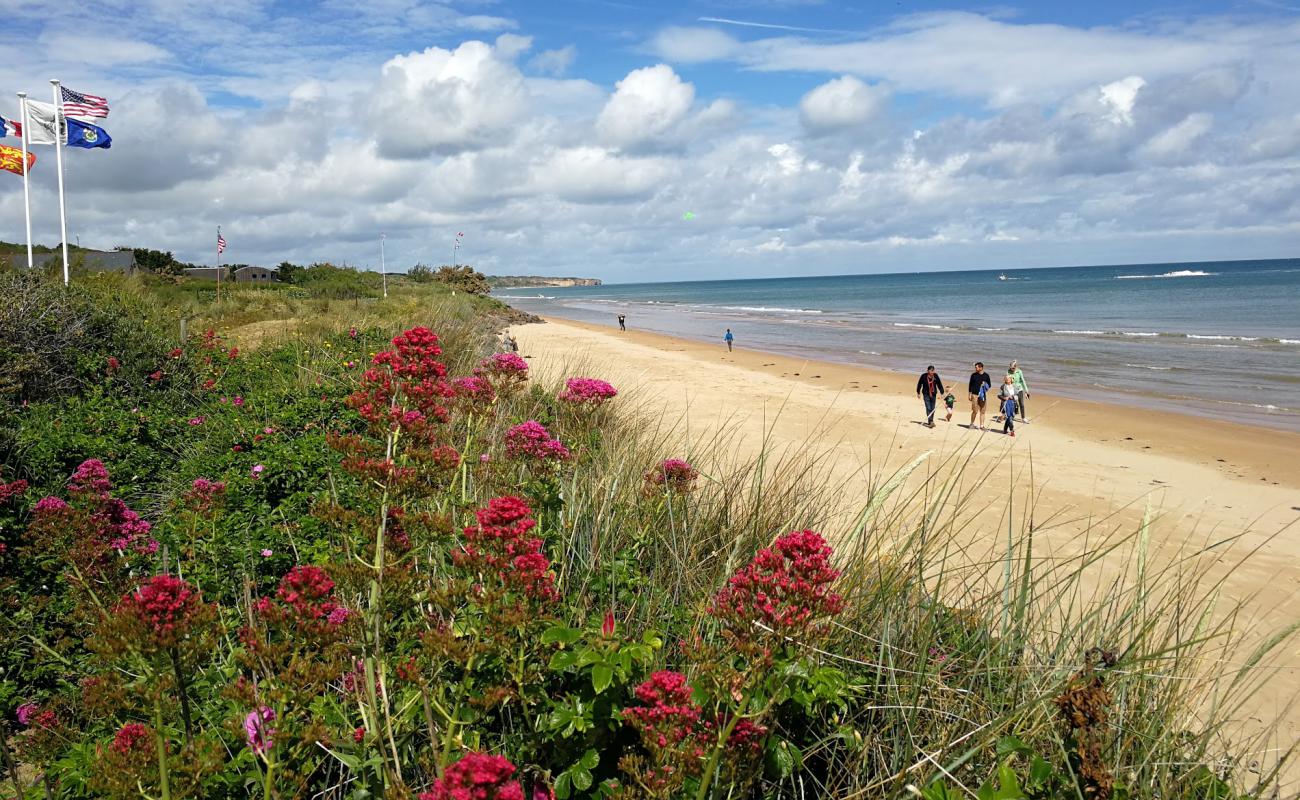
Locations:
{"points": [[637, 141]]}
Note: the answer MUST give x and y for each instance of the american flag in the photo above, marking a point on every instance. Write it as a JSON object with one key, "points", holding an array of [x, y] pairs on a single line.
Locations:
{"points": [[76, 104], [221, 244]]}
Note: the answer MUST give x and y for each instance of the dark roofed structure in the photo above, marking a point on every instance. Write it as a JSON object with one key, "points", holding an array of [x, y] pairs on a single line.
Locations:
{"points": [[255, 275]]}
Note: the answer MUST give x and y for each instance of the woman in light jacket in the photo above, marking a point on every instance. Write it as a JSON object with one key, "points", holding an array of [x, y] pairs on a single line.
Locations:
{"points": [[1022, 386]]}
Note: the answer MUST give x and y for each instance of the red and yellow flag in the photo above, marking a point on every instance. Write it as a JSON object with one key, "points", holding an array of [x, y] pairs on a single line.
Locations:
{"points": [[11, 159]]}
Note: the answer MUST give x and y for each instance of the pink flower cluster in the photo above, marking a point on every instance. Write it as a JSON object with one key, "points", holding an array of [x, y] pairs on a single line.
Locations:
{"points": [[90, 478], [477, 776], [34, 716], [129, 737], [674, 474], [786, 587], [587, 391], [164, 605], [531, 440], [474, 389], [502, 365], [500, 543]]}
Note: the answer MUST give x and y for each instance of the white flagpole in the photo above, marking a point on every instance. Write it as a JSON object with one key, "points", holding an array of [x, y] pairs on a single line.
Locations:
{"points": [[59, 127], [218, 264], [383, 268], [27, 192]]}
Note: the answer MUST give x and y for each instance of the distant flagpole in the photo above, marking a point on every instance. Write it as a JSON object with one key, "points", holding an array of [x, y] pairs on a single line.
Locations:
{"points": [[59, 127], [383, 268], [218, 265], [27, 192]]}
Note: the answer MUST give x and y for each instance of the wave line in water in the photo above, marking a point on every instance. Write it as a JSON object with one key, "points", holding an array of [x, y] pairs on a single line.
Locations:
{"points": [[1178, 273]]}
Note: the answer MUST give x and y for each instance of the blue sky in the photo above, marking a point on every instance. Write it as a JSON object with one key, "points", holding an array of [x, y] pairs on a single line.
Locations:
{"points": [[570, 137]]}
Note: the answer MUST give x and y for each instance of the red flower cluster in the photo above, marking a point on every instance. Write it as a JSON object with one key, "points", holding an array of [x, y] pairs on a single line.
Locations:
{"points": [[587, 391], [419, 382], [113, 365], [309, 591], [204, 495], [500, 543], [531, 440], [164, 606], [674, 474], [787, 587], [9, 491], [129, 737], [747, 735], [477, 776], [668, 715]]}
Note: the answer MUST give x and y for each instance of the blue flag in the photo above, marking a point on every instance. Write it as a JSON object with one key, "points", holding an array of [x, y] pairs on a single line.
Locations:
{"points": [[83, 134]]}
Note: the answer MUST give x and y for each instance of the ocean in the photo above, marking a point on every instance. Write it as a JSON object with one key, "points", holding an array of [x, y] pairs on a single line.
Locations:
{"points": [[1217, 338]]}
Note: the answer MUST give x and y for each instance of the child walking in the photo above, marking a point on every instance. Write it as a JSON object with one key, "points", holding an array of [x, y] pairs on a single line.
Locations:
{"points": [[1008, 397]]}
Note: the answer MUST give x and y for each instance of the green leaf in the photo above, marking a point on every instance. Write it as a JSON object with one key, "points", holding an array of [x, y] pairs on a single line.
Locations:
{"points": [[561, 633], [590, 759], [581, 778], [653, 639], [1040, 772], [1010, 744], [601, 676], [562, 786], [563, 660]]}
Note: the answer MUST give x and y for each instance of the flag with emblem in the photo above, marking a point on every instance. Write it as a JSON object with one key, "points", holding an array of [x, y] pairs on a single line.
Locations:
{"points": [[80, 104], [11, 159], [83, 134], [40, 123]]}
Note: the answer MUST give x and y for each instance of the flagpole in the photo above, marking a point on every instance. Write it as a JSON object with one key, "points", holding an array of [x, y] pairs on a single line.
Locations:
{"points": [[27, 192], [59, 127], [218, 265], [383, 268]]}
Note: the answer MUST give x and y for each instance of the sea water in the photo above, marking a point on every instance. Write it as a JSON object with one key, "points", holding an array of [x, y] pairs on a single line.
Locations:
{"points": [[1219, 339]]}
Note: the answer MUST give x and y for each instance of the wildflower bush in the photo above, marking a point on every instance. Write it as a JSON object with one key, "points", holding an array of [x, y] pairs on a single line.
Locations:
{"points": [[378, 565]]}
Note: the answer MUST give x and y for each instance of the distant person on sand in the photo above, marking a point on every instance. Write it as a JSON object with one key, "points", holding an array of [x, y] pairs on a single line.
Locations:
{"points": [[1007, 396], [622, 322], [1022, 387], [728, 338], [979, 387], [928, 387]]}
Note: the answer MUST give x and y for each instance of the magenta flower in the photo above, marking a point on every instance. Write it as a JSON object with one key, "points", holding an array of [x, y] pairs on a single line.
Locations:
{"points": [[91, 477], [531, 440], [787, 586], [47, 504], [674, 474], [257, 470], [239, 401], [477, 776], [266, 554], [25, 713], [587, 391], [257, 732], [338, 616]]}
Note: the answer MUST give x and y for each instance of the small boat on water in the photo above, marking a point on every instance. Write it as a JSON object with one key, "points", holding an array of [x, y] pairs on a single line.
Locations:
{"points": [[1002, 277]]}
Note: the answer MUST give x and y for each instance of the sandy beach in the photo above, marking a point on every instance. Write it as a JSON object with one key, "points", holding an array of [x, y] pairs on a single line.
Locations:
{"points": [[1094, 465]]}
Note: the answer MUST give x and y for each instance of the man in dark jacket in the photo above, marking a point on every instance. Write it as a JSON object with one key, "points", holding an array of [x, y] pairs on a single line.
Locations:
{"points": [[978, 390], [929, 387]]}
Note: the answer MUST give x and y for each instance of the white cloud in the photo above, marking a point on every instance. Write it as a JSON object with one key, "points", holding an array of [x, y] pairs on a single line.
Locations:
{"points": [[645, 105], [844, 102], [441, 101], [554, 62], [693, 45]]}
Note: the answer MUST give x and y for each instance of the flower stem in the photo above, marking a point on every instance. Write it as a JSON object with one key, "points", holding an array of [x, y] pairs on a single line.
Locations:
{"points": [[163, 777]]}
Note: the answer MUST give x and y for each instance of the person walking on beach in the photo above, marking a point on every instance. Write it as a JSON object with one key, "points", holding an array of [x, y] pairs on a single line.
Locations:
{"points": [[1007, 396], [929, 387], [622, 322], [978, 390], [1022, 387], [727, 337]]}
